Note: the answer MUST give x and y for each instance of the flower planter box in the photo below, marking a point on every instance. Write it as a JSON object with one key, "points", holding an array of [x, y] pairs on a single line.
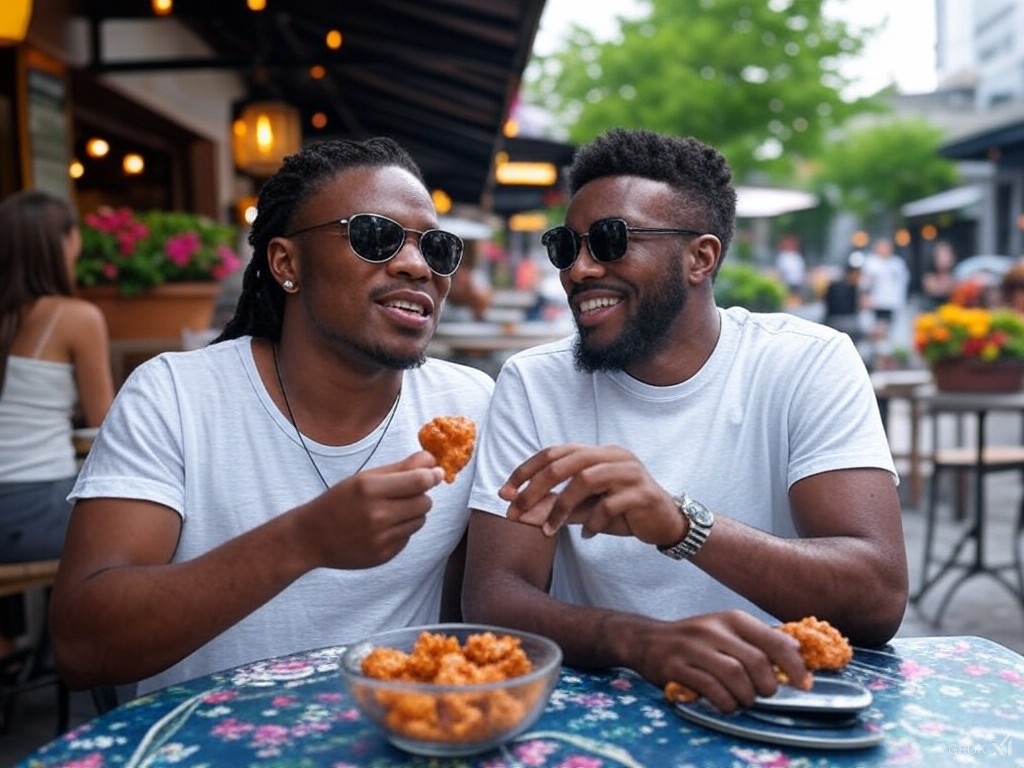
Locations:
{"points": [[968, 375], [162, 312]]}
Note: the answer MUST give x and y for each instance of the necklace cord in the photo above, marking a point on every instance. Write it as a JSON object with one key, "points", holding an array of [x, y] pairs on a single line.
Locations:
{"points": [[298, 432]]}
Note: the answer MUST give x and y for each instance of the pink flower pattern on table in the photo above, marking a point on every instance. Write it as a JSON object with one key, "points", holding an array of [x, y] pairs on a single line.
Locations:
{"points": [[938, 701]]}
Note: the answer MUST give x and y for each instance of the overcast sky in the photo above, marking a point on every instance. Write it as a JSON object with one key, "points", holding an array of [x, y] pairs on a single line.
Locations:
{"points": [[903, 52]]}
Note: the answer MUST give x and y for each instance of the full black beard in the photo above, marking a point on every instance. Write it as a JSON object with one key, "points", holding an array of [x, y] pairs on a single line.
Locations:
{"points": [[645, 333]]}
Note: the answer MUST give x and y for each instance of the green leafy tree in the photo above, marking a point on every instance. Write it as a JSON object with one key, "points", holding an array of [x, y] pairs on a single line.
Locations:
{"points": [[875, 170], [759, 80]]}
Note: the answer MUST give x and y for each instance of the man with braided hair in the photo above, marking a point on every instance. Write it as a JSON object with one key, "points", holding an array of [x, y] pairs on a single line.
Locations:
{"points": [[660, 489], [267, 494]]}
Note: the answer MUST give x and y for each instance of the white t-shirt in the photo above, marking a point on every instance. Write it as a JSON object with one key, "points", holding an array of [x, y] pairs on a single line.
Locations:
{"points": [[780, 399], [198, 432], [791, 268], [885, 279]]}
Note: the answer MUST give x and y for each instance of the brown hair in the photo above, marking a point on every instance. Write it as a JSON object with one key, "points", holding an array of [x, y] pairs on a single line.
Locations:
{"points": [[33, 260], [1012, 282]]}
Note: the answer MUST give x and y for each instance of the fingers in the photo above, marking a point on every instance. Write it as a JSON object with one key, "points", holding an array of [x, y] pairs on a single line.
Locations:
{"points": [[597, 486], [730, 658], [368, 518]]}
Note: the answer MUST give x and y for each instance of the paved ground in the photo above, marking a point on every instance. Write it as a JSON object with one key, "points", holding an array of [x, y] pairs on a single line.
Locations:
{"points": [[980, 607]]}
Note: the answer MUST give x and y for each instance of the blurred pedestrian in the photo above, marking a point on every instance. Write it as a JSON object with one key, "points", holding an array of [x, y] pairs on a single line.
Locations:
{"points": [[938, 282], [843, 300], [885, 280], [54, 366], [791, 268]]}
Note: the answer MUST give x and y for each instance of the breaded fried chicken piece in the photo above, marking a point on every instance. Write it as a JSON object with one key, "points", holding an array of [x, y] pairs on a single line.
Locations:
{"points": [[821, 647], [450, 439]]}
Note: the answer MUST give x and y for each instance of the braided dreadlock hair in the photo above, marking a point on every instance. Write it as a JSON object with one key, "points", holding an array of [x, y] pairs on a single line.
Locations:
{"points": [[260, 308], [698, 172]]}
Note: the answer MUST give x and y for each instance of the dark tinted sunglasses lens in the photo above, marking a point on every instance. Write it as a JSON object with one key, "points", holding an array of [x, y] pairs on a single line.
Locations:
{"points": [[442, 251], [374, 238], [608, 239], [562, 246]]}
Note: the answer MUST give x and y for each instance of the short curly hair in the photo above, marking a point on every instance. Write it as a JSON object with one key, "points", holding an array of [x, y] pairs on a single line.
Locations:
{"points": [[698, 172]]}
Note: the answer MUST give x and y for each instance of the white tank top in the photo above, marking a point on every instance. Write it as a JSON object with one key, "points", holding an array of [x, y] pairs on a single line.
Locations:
{"points": [[36, 406]]}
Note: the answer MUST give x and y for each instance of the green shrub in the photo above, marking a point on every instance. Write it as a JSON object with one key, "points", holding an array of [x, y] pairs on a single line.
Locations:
{"points": [[741, 285]]}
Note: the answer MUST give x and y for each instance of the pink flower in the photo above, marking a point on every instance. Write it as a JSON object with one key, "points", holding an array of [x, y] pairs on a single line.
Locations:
{"points": [[912, 670], [219, 697], [1011, 676], [534, 752], [92, 760], [229, 262], [282, 701], [232, 729], [181, 248], [110, 271], [270, 734]]}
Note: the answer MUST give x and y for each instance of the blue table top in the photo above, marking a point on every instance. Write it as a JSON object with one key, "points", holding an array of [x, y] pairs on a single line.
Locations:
{"points": [[937, 701]]}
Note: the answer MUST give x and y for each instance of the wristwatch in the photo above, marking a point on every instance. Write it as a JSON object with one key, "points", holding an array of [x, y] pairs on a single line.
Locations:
{"points": [[700, 521]]}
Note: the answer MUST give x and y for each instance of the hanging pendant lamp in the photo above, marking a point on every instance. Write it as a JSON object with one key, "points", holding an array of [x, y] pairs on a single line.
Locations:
{"points": [[264, 133], [14, 19]]}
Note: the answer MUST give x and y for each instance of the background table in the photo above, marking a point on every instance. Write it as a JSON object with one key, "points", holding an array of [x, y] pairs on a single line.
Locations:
{"points": [[979, 456], [939, 701]]}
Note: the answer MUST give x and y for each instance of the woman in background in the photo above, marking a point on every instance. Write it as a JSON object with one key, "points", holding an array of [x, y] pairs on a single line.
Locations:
{"points": [[939, 282], [54, 366]]}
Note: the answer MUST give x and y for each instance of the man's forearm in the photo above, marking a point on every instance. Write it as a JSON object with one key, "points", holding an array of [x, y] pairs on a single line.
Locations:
{"points": [[129, 622]]}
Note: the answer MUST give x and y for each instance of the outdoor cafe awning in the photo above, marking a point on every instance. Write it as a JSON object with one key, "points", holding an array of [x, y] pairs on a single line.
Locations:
{"points": [[768, 202], [949, 200], [439, 76]]}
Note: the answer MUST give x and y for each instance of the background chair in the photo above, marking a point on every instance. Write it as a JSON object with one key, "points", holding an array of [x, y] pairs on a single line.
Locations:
{"points": [[30, 667]]}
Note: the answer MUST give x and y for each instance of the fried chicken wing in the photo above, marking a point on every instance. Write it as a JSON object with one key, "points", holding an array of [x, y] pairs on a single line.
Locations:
{"points": [[822, 646], [450, 439]]}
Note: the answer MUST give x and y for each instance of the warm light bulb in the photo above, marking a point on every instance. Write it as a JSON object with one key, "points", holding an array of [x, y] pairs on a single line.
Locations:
{"points": [[442, 201], [264, 134], [318, 120], [163, 7], [256, 5], [76, 170], [133, 164], [97, 148], [317, 72], [334, 39]]}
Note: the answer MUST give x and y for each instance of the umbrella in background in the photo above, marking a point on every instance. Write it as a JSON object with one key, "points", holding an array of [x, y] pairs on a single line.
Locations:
{"points": [[987, 267]]}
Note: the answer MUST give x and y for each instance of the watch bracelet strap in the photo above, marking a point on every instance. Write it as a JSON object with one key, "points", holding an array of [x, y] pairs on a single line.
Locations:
{"points": [[695, 535]]}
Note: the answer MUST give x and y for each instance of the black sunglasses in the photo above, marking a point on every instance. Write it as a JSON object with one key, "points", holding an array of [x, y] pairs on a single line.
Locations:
{"points": [[377, 238], [607, 239]]}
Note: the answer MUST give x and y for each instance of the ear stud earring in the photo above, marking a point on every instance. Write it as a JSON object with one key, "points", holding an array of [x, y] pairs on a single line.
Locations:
{"points": [[288, 285]]}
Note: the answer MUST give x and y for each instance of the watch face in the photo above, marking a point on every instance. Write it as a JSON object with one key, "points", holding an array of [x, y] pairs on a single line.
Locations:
{"points": [[699, 513]]}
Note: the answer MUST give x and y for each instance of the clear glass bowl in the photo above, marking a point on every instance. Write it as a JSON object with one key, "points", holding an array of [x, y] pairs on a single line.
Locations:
{"points": [[452, 720]]}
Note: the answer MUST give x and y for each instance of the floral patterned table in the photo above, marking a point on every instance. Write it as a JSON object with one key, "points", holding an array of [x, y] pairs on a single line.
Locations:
{"points": [[939, 701]]}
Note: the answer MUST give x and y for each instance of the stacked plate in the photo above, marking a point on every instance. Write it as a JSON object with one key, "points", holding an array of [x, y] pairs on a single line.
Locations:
{"points": [[828, 716]]}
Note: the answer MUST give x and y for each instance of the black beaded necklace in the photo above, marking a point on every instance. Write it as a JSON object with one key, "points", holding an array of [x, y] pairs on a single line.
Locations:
{"points": [[302, 441]]}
